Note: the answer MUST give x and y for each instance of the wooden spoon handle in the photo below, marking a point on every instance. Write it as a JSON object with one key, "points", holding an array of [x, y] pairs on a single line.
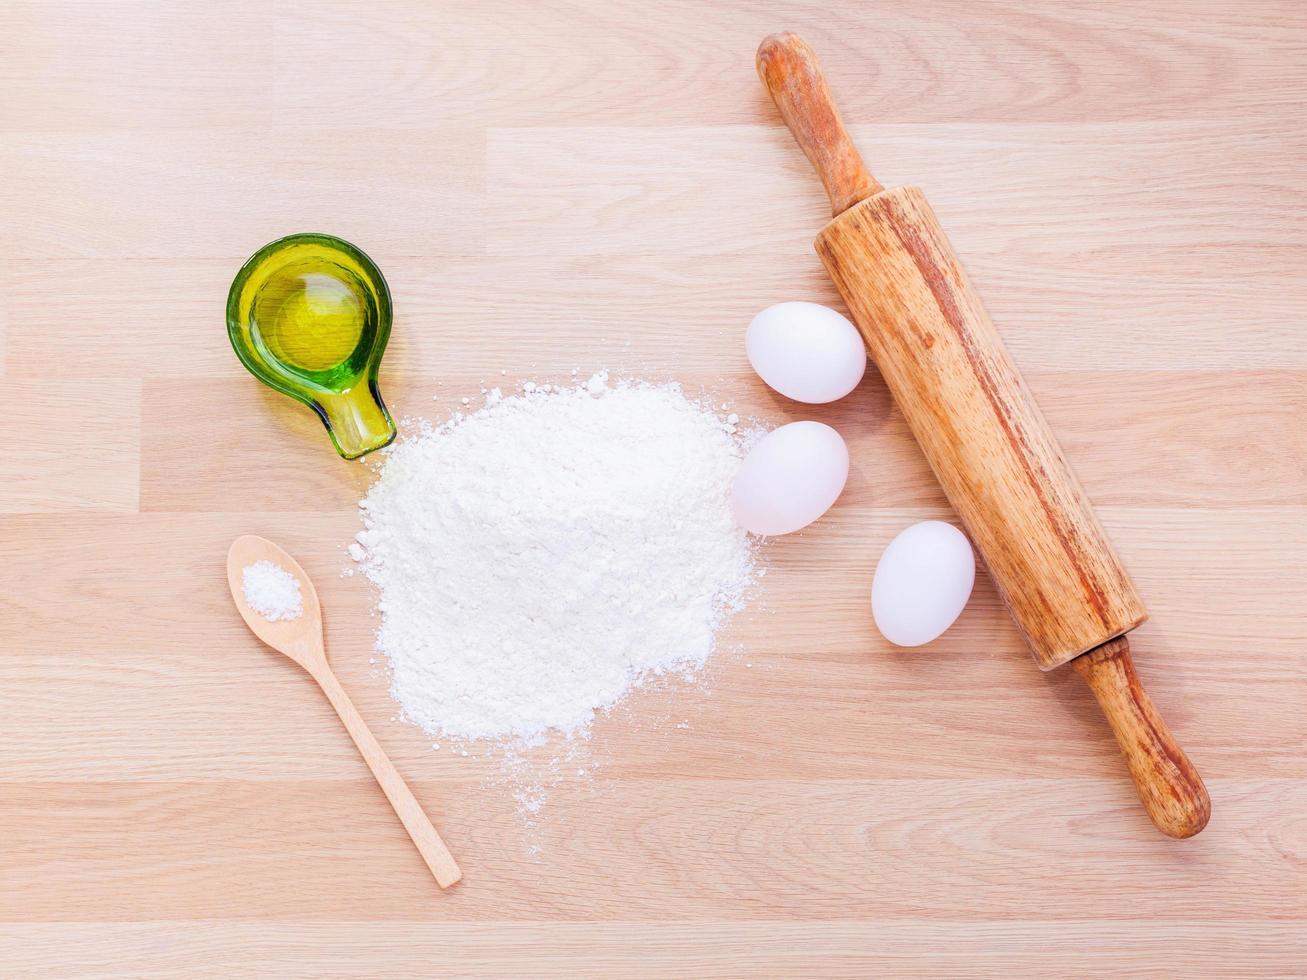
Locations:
{"points": [[789, 69], [1170, 788], [410, 812]]}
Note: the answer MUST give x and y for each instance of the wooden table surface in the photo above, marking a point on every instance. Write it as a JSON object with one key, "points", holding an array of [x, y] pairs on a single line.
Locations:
{"points": [[573, 183]]}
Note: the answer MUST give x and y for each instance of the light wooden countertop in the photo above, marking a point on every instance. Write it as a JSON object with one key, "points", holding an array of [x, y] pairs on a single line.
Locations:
{"points": [[551, 185]]}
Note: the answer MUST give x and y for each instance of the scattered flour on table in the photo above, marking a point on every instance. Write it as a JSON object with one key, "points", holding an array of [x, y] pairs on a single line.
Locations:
{"points": [[542, 556], [272, 592]]}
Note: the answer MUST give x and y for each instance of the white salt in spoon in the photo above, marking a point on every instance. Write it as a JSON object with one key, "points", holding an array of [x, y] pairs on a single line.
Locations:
{"points": [[301, 640]]}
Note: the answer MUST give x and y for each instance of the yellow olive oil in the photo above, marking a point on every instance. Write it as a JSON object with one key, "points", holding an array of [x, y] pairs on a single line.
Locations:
{"points": [[309, 315]]}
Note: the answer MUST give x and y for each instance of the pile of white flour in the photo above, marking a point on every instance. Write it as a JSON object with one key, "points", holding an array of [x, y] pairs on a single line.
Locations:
{"points": [[540, 557]]}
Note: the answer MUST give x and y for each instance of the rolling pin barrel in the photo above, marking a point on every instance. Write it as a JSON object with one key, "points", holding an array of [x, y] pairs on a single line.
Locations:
{"points": [[987, 442], [994, 454]]}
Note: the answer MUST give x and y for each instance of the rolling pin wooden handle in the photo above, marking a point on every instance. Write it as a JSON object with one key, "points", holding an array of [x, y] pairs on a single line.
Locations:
{"points": [[1170, 788], [429, 844], [789, 69]]}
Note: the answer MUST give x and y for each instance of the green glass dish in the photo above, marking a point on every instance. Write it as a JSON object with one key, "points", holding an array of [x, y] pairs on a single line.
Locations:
{"points": [[309, 316]]}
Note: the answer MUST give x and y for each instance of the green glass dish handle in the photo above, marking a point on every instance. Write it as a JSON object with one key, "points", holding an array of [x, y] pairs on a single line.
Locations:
{"points": [[309, 315]]}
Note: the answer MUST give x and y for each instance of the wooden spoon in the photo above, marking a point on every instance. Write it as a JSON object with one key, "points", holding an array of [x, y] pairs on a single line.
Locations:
{"points": [[301, 640]]}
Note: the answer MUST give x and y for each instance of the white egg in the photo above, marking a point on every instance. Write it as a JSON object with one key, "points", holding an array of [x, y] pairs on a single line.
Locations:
{"points": [[922, 583], [790, 478], [806, 351]]}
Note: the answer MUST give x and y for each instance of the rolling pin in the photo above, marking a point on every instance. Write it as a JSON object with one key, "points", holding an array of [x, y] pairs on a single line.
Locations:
{"points": [[991, 449]]}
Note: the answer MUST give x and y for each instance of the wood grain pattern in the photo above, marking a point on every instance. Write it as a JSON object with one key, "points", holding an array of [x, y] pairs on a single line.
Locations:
{"points": [[568, 184], [909, 947]]}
